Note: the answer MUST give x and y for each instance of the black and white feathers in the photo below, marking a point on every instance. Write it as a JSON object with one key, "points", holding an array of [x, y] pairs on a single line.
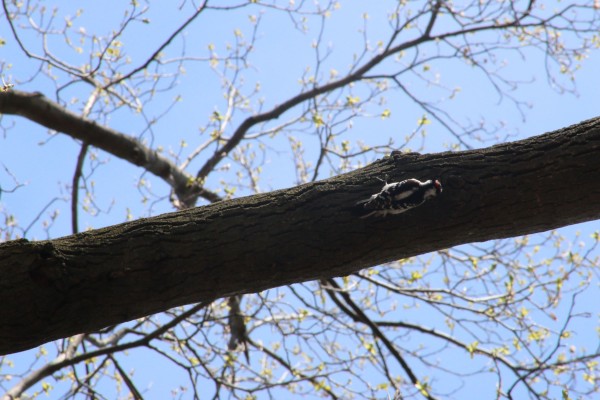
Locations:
{"points": [[398, 197]]}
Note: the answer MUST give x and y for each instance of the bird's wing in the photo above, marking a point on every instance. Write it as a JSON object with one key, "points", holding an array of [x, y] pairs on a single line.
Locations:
{"points": [[405, 189]]}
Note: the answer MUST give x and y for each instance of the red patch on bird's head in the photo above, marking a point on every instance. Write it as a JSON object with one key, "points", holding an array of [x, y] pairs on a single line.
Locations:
{"points": [[438, 185]]}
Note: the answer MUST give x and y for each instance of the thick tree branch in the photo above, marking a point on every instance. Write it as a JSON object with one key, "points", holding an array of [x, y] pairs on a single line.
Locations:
{"points": [[36, 107], [81, 283]]}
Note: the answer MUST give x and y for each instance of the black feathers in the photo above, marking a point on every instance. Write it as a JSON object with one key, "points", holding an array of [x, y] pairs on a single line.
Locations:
{"points": [[398, 197]]}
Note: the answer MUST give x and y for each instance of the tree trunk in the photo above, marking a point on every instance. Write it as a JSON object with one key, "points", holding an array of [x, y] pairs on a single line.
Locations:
{"points": [[82, 283]]}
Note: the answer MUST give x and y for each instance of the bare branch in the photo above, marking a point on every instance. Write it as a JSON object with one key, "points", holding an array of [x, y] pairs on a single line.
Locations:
{"points": [[69, 358], [38, 108]]}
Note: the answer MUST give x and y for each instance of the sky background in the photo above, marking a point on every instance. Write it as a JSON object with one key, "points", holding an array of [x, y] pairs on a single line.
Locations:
{"points": [[44, 163]]}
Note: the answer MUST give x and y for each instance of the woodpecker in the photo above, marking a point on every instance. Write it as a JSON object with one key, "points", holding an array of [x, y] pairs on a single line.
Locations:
{"points": [[398, 197]]}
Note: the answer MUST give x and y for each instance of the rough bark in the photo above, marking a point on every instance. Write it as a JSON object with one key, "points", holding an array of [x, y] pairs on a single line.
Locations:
{"points": [[81, 283]]}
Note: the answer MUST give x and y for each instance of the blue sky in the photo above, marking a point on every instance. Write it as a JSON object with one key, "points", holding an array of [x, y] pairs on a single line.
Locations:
{"points": [[45, 164]]}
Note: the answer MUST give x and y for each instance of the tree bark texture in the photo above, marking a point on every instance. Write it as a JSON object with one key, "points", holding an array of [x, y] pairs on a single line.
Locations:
{"points": [[84, 282]]}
